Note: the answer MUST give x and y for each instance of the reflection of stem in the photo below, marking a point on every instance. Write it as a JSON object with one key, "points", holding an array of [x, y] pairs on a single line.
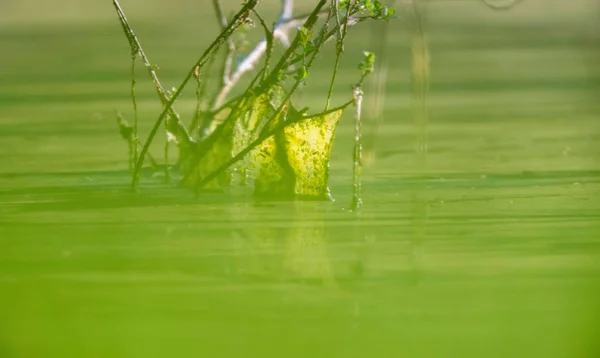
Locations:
{"points": [[376, 86], [415, 11], [593, 56], [167, 142], [307, 256], [501, 4]]}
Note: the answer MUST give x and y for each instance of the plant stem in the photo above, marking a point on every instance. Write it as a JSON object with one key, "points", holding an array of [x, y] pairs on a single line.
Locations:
{"points": [[339, 48], [135, 111], [269, 41], [228, 61], [235, 23], [283, 63], [201, 86], [136, 47], [357, 165]]}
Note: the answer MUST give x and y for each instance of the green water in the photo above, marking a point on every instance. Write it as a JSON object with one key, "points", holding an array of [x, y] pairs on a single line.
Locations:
{"points": [[496, 253]]}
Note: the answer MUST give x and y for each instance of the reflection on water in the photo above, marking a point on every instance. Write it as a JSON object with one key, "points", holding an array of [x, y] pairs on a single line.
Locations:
{"points": [[293, 248], [502, 239], [416, 11]]}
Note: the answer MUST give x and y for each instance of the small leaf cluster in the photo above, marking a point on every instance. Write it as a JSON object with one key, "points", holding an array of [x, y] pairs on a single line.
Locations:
{"points": [[374, 9], [307, 46], [368, 64]]}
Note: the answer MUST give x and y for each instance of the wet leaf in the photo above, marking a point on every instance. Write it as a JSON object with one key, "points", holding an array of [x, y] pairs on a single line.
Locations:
{"points": [[308, 146], [227, 139], [295, 160]]}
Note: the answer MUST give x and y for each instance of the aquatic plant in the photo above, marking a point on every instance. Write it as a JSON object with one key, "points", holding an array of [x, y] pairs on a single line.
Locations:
{"points": [[260, 137]]}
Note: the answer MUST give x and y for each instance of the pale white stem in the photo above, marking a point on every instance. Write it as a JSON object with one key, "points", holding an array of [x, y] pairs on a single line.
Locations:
{"points": [[287, 9], [281, 32]]}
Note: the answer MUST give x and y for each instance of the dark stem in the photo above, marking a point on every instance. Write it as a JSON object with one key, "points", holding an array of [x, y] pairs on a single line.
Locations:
{"points": [[136, 48], [135, 111], [269, 39], [228, 61], [284, 61], [339, 48], [201, 86]]}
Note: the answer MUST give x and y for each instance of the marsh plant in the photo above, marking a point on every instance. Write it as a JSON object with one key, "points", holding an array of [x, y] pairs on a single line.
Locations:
{"points": [[260, 138]]}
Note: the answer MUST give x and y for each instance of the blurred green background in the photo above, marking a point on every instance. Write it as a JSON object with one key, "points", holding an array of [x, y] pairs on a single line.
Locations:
{"points": [[495, 254]]}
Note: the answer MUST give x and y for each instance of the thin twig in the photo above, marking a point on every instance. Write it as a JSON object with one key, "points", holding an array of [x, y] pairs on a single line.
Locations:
{"points": [[269, 38], [135, 110], [227, 63], [234, 24], [201, 86], [339, 48], [136, 47], [281, 32]]}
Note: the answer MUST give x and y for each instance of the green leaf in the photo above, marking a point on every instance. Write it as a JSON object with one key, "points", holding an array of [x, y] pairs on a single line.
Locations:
{"points": [[226, 140], [295, 161], [368, 64]]}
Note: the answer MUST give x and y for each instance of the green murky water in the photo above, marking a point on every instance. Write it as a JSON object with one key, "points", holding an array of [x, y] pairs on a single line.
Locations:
{"points": [[496, 253]]}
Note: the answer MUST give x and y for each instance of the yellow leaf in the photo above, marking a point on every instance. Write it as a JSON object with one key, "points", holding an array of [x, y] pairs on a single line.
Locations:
{"points": [[295, 161]]}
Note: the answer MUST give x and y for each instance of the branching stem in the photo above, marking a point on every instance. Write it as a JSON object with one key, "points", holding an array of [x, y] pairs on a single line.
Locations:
{"points": [[234, 24]]}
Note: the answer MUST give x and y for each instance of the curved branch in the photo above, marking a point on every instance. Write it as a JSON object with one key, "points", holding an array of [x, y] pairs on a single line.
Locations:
{"points": [[285, 24]]}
